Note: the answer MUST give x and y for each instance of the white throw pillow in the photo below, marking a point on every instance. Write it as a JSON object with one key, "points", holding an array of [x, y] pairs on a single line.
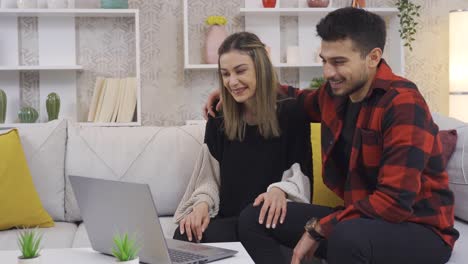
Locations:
{"points": [[162, 157], [457, 166], [44, 146]]}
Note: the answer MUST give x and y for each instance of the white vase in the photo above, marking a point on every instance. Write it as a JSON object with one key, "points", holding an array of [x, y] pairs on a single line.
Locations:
{"points": [[36, 260], [57, 4], [134, 261], [27, 3], [9, 4], [214, 38]]}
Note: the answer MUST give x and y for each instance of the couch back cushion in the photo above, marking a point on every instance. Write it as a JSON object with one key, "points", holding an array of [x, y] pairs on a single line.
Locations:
{"points": [[162, 157], [457, 166], [44, 148]]}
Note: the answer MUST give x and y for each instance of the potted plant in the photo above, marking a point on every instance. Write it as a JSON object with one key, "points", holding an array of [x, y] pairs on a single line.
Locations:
{"points": [[316, 82], [125, 249], [214, 37], [408, 11], [29, 242]]}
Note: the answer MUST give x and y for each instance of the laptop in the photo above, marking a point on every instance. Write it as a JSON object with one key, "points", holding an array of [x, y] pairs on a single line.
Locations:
{"points": [[111, 207]]}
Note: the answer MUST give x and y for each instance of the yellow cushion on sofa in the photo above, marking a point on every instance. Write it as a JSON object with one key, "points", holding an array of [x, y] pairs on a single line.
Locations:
{"points": [[20, 205], [321, 194]]}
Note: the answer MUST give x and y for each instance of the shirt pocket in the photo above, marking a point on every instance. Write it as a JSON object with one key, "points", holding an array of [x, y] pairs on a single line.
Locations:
{"points": [[371, 148]]}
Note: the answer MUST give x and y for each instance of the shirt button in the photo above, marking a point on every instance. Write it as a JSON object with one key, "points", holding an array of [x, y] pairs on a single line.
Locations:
{"points": [[331, 142]]}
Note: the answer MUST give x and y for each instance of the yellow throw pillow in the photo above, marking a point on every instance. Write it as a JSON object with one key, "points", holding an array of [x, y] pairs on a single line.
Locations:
{"points": [[321, 194], [20, 205]]}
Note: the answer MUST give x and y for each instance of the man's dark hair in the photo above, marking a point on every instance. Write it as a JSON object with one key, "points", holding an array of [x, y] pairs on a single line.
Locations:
{"points": [[366, 29]]}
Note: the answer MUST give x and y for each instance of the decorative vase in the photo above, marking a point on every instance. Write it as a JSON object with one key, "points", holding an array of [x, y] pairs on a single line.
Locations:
{"points": [[9, 4], [358, 3], [133, 261], [269, 3], [318, 3], [57, 4], [114, 4], [27, 3], [36, 260], [214, 37], [28, 115], [3, 105], [53, 106]]}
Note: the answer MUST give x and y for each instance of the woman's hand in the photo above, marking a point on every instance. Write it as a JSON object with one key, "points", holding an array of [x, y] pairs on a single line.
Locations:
{"points": [[195, 223], [208, 107], [274, 202]]}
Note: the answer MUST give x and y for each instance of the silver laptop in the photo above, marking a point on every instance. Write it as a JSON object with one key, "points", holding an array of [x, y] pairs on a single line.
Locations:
{"points": [[111, 207]]}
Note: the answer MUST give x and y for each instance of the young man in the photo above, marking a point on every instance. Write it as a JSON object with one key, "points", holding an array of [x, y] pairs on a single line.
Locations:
{"points": [[381, 154]]}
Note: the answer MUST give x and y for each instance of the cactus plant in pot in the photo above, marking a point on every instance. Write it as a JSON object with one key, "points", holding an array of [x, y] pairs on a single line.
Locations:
{"points": [[28, 115], [3, 106]]}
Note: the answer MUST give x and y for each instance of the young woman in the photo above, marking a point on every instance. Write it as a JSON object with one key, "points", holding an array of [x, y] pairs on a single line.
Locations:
{"points": [[254, 149]]}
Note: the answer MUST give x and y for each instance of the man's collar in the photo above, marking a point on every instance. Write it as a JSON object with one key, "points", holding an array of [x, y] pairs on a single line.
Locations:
{"points": [[382, 79]]}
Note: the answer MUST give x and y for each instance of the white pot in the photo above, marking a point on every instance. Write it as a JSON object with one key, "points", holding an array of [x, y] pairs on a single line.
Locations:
{"points": [[57, 3], [9, 4], [30, 261], [27, 3], [135, 261]]}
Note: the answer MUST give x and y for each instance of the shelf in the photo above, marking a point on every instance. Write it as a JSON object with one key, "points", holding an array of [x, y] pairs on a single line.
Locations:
{"points": [[313, 11], [280, 65], [41, 68], [68, 12]]}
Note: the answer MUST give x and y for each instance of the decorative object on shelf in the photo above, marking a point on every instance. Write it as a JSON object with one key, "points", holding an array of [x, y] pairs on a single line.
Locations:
{"points": [[57, 4], [408, 12], [3, 106], [8, 4], [318, 3], [121, 4], [125, 249], [27, 3], [269, 3], [292, 55], [316, 82], [53, 106], [28, 115], [358, 3], [88, 4], [29, 242], [214, 37]]}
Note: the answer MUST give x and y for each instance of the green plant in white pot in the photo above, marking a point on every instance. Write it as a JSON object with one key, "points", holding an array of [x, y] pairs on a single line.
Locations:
{"points": [[125, 249], [29, 243]]}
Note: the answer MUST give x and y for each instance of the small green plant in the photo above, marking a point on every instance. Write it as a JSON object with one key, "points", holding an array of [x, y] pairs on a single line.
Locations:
{"points": [[29, 242], [216, 20], [316, 82], [408, 11], [125, 248]]}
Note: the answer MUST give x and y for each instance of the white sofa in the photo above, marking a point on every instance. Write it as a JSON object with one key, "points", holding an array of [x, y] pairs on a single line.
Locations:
{"points": [[163, 157]]}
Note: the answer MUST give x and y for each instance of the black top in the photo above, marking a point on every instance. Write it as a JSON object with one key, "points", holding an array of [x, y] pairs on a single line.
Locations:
{"points": [[345, 141], [247, 168]]}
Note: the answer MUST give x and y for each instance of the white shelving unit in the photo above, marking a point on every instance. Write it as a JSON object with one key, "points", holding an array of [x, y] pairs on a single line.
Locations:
{"points": [[265, 23], [57, 58]]}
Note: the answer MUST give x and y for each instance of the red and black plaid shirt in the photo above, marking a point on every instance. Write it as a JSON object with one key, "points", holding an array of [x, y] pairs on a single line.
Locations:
{"points": [[396, 172]]}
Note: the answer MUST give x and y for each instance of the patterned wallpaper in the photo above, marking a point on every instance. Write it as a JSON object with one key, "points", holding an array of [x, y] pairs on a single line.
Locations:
{"points": [[170, 94]]}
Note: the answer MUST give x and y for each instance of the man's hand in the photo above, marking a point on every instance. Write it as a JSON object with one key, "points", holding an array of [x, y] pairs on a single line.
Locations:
{"points": [[304, 249], [274, 202], [195, 223], [208, 107]]}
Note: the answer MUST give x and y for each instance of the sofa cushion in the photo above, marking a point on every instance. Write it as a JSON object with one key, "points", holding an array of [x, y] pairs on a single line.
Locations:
{"points": [[457, 167], [448, 138], [44, 146], [460, 254], [162, 157], [20, 205], [59, 236]]}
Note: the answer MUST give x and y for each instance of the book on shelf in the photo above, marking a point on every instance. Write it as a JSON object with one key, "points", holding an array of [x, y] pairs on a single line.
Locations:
{"points": [[114, 100]]}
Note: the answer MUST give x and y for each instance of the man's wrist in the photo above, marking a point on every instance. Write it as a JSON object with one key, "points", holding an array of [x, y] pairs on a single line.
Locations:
{"points": [[314, 230]]}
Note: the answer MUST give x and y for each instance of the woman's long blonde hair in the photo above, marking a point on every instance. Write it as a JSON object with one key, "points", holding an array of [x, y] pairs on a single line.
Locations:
{"points": [[265, 95]]}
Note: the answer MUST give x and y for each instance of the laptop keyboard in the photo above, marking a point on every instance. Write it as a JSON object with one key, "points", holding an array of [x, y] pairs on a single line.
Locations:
{"points": [[178, 256]]}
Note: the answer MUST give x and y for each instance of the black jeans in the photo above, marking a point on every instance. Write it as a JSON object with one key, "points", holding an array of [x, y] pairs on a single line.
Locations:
{"points": [[351, 242], [219, 230]]}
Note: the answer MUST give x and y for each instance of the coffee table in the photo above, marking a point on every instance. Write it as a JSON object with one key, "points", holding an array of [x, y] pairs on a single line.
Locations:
{"points": [[87, 255]]}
